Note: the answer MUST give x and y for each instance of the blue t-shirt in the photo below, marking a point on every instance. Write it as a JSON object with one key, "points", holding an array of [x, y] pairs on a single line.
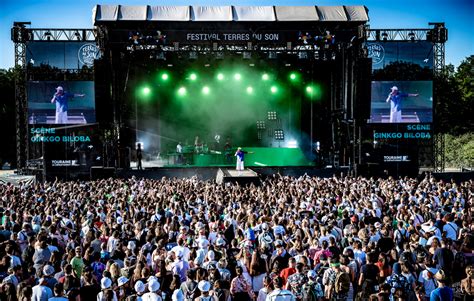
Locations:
{"points": [[442, 294], [240, 155], [396, 101], [61, 101]]}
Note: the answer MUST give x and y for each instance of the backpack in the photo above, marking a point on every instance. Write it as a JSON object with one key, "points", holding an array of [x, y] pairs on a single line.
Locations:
{"points": [[399, 284], [312, 291], [401, 238], [343, 283], [189, 295]]}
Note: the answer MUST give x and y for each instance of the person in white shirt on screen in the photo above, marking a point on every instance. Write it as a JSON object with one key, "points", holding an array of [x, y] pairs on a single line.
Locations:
{"points": [[395, 98], [61, 98]]}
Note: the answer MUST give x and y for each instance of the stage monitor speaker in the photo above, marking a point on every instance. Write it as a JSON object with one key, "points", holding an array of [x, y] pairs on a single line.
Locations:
{"points": [[363, 82]]}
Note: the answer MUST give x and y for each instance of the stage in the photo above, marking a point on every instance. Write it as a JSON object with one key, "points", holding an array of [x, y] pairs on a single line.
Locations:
{"points": [[256, 157]]}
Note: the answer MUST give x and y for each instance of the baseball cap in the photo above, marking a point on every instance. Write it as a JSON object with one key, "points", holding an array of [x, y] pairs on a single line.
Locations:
{"points": [[204, 286], [394, 88], [139, 287], [59, 88], [105, 283], [122, 280]]}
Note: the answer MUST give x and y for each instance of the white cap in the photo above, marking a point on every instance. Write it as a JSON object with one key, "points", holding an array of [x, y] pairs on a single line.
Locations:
{"points": [[122, 280], [105, 283], [394, 88], [378, 225], [139, 287], [204, 286], [131, 245], [264, 226], [153, 285], [48, 270], [220, 242], [59, 88]]}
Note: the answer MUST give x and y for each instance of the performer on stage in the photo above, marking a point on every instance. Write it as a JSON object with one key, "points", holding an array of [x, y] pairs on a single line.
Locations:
{"points": [[240, 154], [139, 156], [61, 99], [395, 99], [198, 147], [179, 152]]}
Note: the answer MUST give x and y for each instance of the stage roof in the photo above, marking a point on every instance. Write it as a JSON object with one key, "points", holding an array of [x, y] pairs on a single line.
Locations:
{"points": [[114, 13]]}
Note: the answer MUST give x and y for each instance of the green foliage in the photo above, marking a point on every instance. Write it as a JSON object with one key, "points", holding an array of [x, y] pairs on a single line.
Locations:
{"points": [[396, 71], [459, 150]]}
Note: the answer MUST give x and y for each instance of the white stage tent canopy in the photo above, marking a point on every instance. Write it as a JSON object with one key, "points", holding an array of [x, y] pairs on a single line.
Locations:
{"points": [[114, 13]]}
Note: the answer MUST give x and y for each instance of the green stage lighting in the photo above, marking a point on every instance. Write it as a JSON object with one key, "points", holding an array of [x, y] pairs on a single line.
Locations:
{"points": [[274, 89], [220, 76], [309, 89], [146, 91], [237, 76], [249, 90], [193, 76], [182, 91], [265, 76], [165, 76], [293, 76], [206, 90]]}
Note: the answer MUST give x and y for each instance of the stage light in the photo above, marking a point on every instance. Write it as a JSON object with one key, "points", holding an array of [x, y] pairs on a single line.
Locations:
{"points": [[205, 90], [265, 76], [220, 76], [182, 91], [274, 89], [146, 91], [309, 89], [193, 76], [249, 90], [165, 76], [237, 76], [293, 76], [292, 144]]}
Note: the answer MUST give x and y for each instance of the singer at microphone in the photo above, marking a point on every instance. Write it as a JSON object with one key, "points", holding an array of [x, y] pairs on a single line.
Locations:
{"points": [[395, 99], [61, 98]]}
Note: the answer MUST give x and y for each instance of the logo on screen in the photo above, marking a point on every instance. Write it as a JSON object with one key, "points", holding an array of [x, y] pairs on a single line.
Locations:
{"points": [[87, 54], [376, 52]]}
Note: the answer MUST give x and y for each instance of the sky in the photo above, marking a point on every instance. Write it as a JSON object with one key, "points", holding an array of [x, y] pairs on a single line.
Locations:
{"points": [[457, 14]]}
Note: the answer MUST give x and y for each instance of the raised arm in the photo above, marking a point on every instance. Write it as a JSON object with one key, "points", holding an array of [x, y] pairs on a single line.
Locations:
{"points": [[388, 97]]}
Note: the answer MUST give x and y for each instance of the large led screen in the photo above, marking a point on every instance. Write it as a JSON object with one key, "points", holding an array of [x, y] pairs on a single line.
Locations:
{"points": [[401, 102], [70, 102]]}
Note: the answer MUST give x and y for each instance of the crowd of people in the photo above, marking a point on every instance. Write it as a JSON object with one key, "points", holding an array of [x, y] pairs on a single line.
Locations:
{"points": [[286, 239]]}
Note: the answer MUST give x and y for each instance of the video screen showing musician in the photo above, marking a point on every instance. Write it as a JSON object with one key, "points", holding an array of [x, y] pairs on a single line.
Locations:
{"points": [[395, 98], [61, 99]]}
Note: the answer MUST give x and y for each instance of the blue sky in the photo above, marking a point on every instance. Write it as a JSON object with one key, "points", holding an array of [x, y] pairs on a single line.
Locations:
{"points": [[457, 14]]}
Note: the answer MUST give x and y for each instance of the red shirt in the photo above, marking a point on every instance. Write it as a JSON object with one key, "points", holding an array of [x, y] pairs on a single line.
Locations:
{"points": [[285, 273]]}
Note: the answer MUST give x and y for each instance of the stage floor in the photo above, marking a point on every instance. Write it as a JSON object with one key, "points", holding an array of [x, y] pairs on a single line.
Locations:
{"points": [[256, 157]]}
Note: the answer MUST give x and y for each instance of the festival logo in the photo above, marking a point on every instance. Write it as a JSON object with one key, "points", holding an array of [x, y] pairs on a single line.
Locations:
{"points": [[87, 54], [376, 52]]}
